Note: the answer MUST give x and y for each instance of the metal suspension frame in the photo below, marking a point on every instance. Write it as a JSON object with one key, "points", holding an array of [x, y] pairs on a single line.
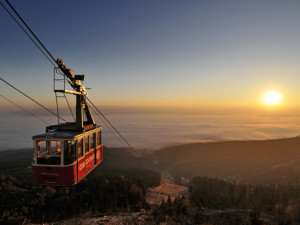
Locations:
{"points": [[61, 79], [82, 108]]}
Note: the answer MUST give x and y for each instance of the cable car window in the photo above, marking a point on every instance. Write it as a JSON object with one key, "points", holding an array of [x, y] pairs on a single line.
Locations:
{"points": [[92, 141], [69, 152], [98, 139], [45, 155], [41, 148], [86, 144], [80, 148], [55, 148]]}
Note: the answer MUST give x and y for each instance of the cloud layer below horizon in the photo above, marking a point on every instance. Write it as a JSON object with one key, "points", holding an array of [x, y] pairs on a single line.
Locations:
{"points": [[153, 131]]}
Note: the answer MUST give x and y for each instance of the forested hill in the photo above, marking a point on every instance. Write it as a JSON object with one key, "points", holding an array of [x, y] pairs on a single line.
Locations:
{"points": [[255, 161], [125, 158], [118, 184], [15, 158]]}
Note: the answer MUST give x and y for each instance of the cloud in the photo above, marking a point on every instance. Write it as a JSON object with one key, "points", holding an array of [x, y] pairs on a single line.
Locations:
{"points": [[152, 131]]}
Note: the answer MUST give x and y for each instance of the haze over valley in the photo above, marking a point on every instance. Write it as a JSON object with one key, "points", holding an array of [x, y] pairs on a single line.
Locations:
{"points": [[156, 130]]}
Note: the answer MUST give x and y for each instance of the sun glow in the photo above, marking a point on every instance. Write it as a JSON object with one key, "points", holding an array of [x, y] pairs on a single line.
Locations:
{"points": [[272, 98]]}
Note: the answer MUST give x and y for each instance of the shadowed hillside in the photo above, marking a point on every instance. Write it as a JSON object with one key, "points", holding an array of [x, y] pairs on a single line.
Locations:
{"points": [[125, 158], [265, 161], [119, 184], [124, 183], [15, 158], [257, 161]]}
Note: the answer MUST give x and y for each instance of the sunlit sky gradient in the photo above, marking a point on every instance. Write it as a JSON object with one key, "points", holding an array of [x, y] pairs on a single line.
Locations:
{"points": [[158, 53]]}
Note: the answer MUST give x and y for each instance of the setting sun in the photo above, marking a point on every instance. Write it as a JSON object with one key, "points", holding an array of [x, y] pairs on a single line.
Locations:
{"points": [[272, 98]]}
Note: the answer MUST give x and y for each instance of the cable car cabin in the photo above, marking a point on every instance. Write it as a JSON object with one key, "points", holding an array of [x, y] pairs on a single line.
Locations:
{"points": [[63, 158], [68, 151]]}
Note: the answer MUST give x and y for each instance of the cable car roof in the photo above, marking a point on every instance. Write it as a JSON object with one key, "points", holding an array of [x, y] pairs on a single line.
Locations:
{"points": [[68, 135]]}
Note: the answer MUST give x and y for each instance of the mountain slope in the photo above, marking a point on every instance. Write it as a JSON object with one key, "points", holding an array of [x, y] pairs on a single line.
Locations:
{"points": [[255, 161]]}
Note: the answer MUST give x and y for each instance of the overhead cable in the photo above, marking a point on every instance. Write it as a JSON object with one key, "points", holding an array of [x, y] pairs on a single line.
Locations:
{"points": [[110, 129], [27, 34], [110, 123], [31, 98], [24, 109], [30, 30]]}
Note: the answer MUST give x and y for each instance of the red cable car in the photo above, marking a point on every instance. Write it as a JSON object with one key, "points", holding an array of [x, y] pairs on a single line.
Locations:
{"points": [[67, 152], [63, 157]]}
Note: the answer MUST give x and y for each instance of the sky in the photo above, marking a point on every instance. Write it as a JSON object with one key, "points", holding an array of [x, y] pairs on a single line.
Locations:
{"points": [[211, 62], [169, 53]]}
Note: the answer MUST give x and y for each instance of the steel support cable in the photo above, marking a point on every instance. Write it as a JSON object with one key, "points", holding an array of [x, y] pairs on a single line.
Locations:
{"points": [[32, 99], [100, 118], [69, 106], [118, 138], [24, 109], [110, 129], [110, 123], [27, 34], [30, 30], [54, 64]]}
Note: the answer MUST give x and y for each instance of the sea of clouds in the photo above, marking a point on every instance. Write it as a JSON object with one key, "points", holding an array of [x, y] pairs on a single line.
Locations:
{"points": [[153, 131]]}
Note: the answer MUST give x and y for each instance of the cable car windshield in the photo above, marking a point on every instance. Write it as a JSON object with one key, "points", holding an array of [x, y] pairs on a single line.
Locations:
{"points": [[50, 152], [69, 152]]}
